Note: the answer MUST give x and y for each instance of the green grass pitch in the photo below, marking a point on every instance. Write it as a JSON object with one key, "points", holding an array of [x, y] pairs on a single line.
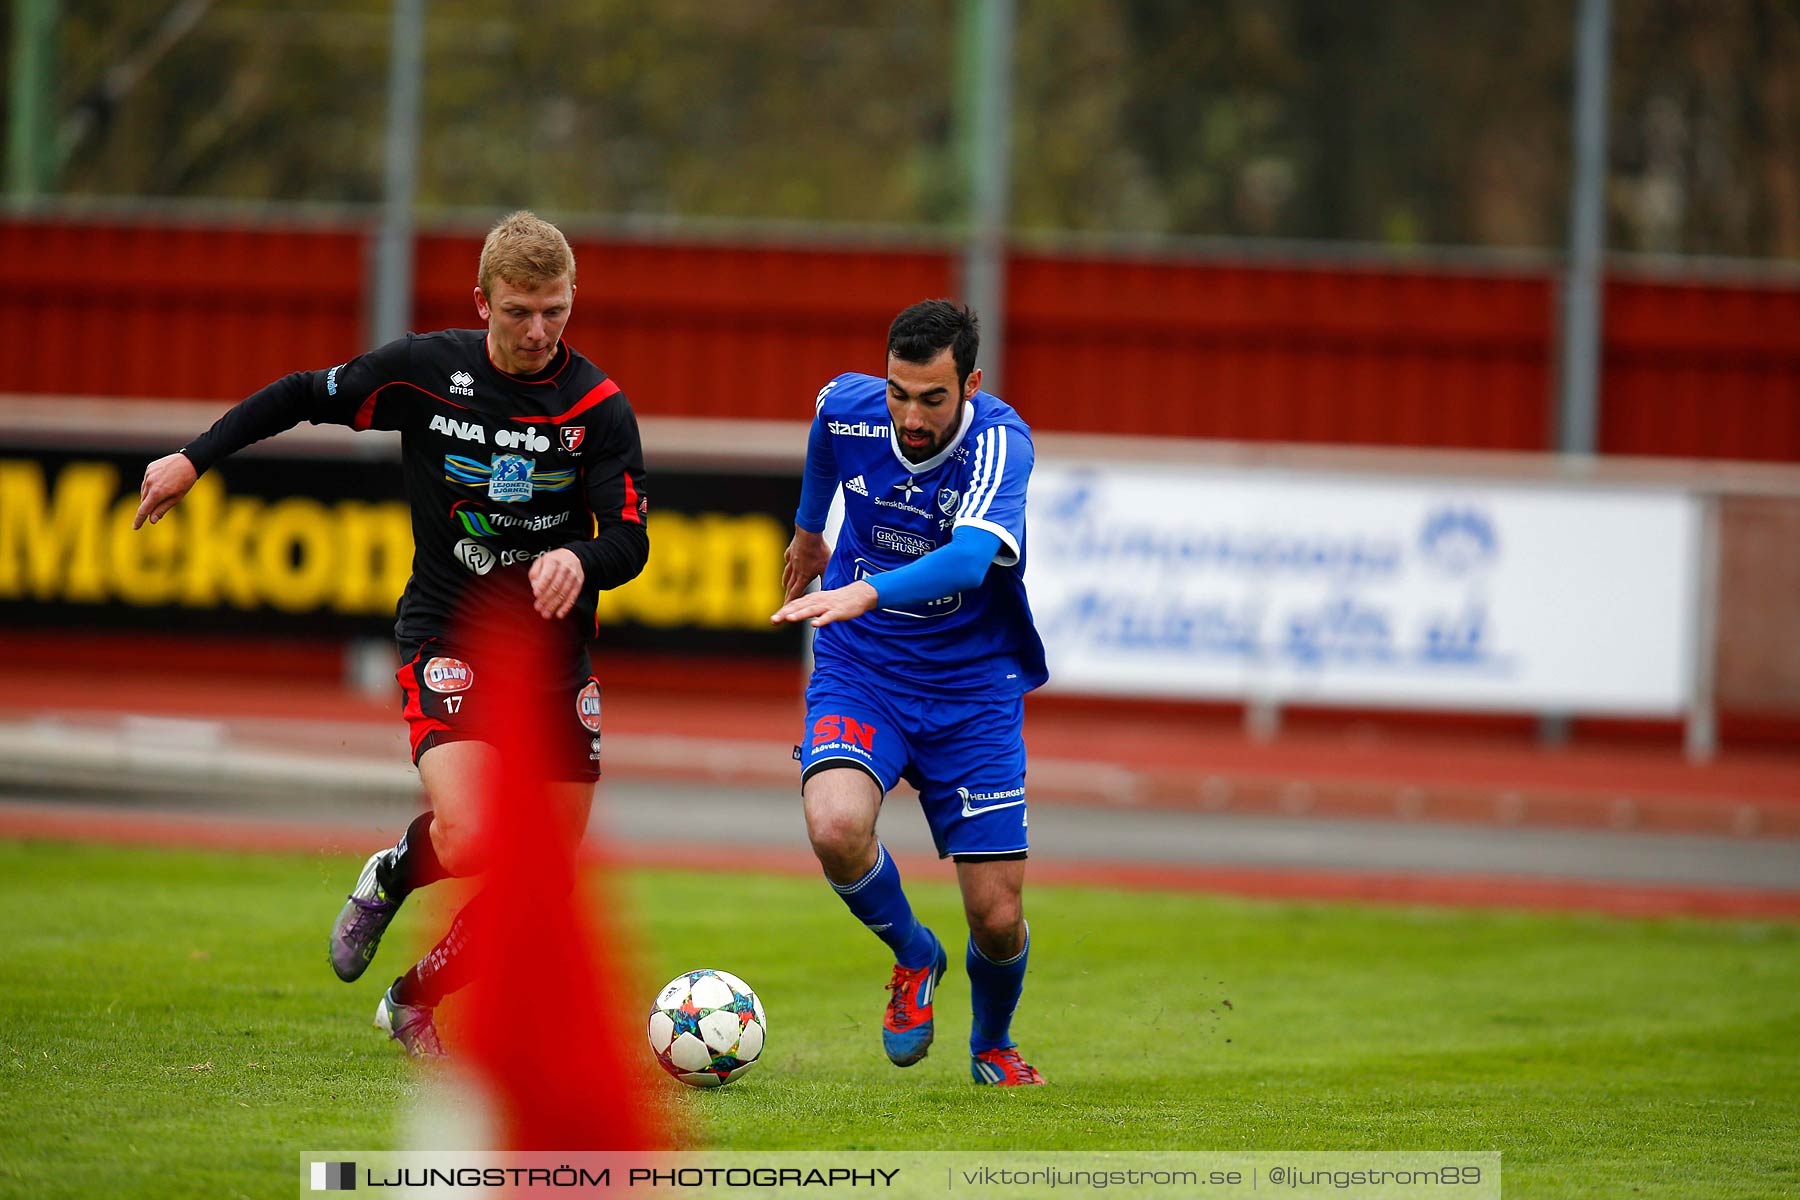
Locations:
{"points": [[168, 1026]]}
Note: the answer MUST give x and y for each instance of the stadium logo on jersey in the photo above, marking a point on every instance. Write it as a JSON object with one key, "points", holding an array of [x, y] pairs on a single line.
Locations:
{"points": [[449, 675], [506, 476], [468, 431], [989, 801], [462, 384], [572, 436], [948, 500], [475, 556], [859, 429], [587, 707], [858, 486]]}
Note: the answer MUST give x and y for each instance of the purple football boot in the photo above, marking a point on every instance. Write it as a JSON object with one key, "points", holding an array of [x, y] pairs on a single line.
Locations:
{"points": [[410, 1025], [362, 920]]}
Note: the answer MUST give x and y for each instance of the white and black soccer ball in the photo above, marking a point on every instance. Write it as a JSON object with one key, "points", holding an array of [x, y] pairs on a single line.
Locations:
{"points": [[707, 1028]]}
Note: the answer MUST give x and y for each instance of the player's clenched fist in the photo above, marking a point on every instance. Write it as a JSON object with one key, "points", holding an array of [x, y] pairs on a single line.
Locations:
{"points": [[556, 580], [166, 481]]}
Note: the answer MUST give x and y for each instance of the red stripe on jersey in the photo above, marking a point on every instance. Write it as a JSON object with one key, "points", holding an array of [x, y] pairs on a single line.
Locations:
{"points": [[365, 416], [601, 391], [595, 522], [366, 413], [630, 511]]}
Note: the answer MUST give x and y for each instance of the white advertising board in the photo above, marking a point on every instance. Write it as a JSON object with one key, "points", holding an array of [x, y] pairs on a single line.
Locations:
{"points": [[1163, 581]]}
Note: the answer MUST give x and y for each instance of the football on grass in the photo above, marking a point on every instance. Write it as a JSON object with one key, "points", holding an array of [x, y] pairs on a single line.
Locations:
{"points": [[706, 1028]]}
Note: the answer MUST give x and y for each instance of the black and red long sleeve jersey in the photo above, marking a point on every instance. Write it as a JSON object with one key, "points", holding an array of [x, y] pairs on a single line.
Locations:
{"points": [[499, 469]]}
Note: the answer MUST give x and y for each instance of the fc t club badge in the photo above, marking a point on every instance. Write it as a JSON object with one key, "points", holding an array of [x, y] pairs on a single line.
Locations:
{"points": [[571, 436]]}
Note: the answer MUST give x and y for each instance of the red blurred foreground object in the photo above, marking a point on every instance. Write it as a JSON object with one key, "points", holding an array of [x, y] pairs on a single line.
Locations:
{"points": [[546, 1026]]}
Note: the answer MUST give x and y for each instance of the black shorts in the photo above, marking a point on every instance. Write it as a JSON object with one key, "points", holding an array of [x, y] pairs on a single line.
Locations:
{"points": [[442, 690]]}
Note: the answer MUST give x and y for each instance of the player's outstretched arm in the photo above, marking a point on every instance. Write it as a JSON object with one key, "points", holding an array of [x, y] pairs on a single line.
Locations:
{"points": [[166, 481], [336, 395], [952, 568], [804, 562], [822, 608]]}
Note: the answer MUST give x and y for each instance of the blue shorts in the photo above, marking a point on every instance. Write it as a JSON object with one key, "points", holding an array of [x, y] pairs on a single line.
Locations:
{"points": [[965, 756]]}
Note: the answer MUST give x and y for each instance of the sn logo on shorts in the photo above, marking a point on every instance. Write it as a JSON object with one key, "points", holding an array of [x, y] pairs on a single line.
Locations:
{"points": [[848, 730]]}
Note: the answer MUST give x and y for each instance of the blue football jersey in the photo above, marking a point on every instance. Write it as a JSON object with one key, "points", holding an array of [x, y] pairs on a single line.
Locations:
{"points": [[896, 511]]}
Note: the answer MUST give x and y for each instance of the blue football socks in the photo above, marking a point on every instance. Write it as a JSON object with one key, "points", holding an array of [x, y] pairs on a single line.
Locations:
{"points": [[879, 903], [994, 989]]}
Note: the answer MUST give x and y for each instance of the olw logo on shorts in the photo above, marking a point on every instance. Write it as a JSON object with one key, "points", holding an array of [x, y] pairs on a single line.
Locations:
{"points": [[587, 706], [449, 675], [847, 729]]}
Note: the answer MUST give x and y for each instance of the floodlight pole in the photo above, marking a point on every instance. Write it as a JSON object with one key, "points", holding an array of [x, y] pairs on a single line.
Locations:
{"points": [[985, 126], [391, 311], [390, 284], [1578, 375], [28, 138], [1579, 412]]}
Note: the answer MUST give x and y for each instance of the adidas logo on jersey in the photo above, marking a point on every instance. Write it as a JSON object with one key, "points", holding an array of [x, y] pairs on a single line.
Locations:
{"points": [[858, 486]]}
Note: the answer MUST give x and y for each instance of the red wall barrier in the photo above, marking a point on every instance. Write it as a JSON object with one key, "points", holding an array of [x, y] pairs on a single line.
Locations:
{"points": [[1702, 371], [711, 331], [1346, 354], [1273, 353], [121, 309]]}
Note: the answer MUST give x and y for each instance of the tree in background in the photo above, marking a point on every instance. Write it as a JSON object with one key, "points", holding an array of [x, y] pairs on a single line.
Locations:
{"points": [[1398, 122]]}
